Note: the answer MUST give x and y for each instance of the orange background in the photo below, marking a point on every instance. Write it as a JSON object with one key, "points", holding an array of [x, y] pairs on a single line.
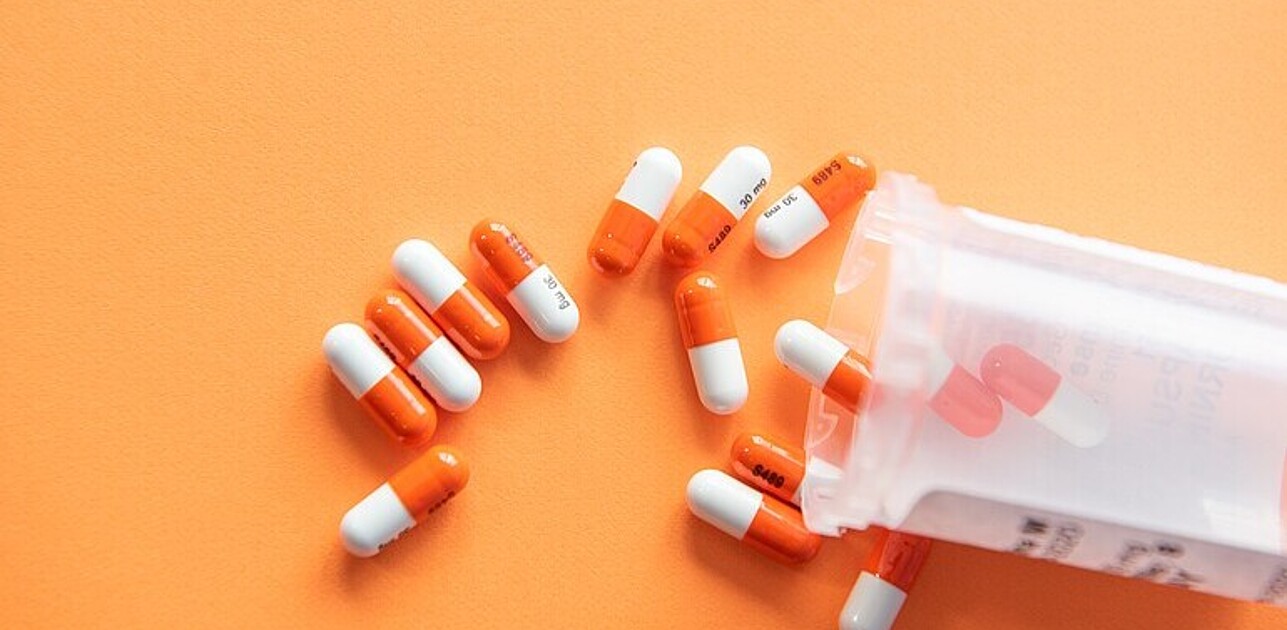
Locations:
{"points": [[192, 193]]}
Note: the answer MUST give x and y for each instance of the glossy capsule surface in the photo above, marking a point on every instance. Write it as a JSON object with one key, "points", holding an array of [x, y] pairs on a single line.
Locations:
{"points": [[632, 217], [405, 500], [464, 313], [380, 387], [526, 281], [769, 465], [419, 347], [825, 362], [761, 522], [714, 210], [808, 208], [714, 352], [886, 579]]}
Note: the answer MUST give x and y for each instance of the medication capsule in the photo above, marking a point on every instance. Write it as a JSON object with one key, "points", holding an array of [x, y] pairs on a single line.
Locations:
{"points": [[721, 201], [706, 325], [531, 288], [769, 465], [886, 578], [632, 216], [761, 522], [420, 348], [404, 501], [1039, 392], [810, 206], [380, 387], [960, 399], [470, 320], [827, 363]]}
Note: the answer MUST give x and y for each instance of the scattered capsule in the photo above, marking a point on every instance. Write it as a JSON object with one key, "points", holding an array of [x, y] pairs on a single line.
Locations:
{"points": [[886, 578], [810, 206], [770, 465], [1038, 391], [721, 201], [470, 320], [420, 348], [706, 325], [632, 216], [404, 501], [826, 362], [960, 399], [764, 523], [380, 387], [531, 288]]}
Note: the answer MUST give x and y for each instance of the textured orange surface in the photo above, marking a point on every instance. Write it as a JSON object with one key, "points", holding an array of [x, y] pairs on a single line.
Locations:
{"points": [[192, 193]]}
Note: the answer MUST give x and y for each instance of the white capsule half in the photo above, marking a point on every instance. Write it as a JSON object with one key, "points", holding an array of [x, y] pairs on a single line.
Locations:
{"points": [[650, 185], [374, 522], [720, 375], [355, 358], [723, 501], [789, 224], [873, 604], [547, 307], [739, 179], [425, 273], [808, 351], [446, 376]]}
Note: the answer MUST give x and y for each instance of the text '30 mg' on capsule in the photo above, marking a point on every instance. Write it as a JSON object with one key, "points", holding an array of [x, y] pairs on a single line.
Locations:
{"points": [[714, 353], [468, 318], [761, 522], [527, 282], [420, 348], [631, 219], [712, 212], [809, 207], [405, 500], [380, 387], [825, 362]]}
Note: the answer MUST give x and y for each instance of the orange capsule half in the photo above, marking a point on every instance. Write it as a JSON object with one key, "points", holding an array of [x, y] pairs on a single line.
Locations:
{"points": [[770, 465], [380, 387], [632, 216]]}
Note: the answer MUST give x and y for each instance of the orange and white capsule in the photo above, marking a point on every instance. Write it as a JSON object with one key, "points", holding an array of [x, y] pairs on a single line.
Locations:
{"points": [[721, 201], [420, 348], [706, 325], [1041, 393], [380, 387], [826, 362], [886, 578], [404, 501], [764, 523], [527, 282], [810, 206], [470, 320], [632, 216]]}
